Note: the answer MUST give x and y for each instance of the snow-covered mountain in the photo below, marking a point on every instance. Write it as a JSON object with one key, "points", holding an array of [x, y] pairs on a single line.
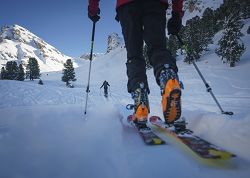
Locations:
{"points": [[114, 41], [86, 56], [19, 44]]}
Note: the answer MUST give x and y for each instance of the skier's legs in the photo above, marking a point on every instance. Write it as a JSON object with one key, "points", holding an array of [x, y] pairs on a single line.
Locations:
{"points": [[106, 91], [164, 64], [154, 22], [130, 16]]}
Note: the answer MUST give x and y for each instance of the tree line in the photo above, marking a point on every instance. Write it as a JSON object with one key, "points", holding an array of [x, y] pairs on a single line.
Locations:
{"points": [[199, 32], [14, 72]]}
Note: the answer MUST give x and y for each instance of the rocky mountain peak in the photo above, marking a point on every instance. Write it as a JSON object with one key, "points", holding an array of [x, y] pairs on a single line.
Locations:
{"points": [[114, 41]]}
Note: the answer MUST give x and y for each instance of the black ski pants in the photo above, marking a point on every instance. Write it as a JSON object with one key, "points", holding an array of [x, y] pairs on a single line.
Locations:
{"points": [[144, 20]]}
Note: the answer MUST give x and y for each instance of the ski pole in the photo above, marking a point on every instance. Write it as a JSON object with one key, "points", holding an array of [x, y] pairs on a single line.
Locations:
{"points": [[90, 59], [209, 89]]}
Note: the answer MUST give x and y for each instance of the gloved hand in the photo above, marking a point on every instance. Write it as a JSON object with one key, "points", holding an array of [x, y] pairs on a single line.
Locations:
{"points": [[174, 23], [94, 10]]}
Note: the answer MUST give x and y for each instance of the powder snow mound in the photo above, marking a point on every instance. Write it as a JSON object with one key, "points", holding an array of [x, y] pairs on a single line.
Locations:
{"points": [[19, 44]]}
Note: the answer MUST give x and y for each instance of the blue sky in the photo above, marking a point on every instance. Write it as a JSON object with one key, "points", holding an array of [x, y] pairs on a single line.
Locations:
{"points": [[62, 23]]}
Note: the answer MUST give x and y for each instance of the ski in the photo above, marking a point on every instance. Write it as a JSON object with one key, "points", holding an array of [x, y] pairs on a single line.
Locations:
{"points": [[202, 148], [147, 135]]}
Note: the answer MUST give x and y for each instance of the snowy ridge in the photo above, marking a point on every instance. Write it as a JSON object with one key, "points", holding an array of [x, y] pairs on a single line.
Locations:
{"points": [[86, 56], [19, 44]]}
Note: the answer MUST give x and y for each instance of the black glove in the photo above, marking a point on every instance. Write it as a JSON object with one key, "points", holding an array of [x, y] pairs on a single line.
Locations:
{"points": [[174, 24], [94, 11]]}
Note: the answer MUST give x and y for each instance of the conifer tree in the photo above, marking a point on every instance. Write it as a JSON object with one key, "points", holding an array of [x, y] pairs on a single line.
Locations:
{"points": [[68, 72], [193, 38], [246, 11], [20, 74], [11, 70], [32, 70], [244, 6], [207, 27], [230, 46], [172, 45], [228, 8]]}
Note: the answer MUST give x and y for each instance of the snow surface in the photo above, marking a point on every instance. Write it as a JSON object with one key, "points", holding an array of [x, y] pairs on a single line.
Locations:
{"points": [[44, 132]]}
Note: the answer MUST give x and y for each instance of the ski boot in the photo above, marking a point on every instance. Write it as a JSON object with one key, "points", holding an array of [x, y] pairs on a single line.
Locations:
{"points": [[171, 95], [141, 107]]}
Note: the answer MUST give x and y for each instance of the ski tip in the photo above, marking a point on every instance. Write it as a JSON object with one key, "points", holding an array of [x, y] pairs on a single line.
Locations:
{"points": [[156, 141], [222, 155]]}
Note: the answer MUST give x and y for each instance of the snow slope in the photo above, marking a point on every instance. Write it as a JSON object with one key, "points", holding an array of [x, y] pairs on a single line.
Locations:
{"points": [[19, 44], [44, 133]]}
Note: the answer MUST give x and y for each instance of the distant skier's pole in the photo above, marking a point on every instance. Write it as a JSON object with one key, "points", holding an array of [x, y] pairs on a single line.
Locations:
{"points": [[90, 59], [209, 89]]}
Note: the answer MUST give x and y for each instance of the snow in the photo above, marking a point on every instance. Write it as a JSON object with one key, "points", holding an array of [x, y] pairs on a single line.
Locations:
{"points": [[44, 132], [19, 44]]}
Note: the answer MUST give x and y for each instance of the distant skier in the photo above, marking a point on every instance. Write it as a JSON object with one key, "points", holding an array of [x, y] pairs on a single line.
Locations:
{"points": [[145, 20], [105, 85]]}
